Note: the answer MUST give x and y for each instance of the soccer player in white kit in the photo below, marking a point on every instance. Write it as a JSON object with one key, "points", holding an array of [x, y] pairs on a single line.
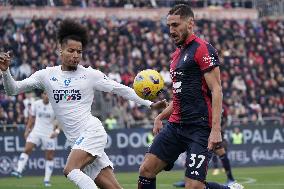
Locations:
{"points": [[41, 129], [70, 88]]}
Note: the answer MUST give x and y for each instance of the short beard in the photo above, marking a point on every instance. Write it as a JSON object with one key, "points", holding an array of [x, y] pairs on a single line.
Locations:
{"points": [[72, 68], [183, 38]]}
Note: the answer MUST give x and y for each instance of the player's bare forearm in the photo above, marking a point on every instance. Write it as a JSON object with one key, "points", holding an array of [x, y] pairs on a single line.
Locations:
{"points": [[158, 125], [30, 124], [214, 83], [165, 114], [217, 97]]}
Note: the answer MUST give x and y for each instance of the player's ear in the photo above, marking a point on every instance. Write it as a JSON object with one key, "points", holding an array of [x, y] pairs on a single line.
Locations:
{"points": [[60, 51], [190, 23]]}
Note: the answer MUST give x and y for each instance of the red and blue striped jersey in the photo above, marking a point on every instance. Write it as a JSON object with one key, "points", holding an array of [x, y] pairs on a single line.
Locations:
{"points": [[192, 99]]}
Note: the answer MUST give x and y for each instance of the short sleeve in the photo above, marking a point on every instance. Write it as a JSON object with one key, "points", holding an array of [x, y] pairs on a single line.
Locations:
{"points": [[206, 57]]}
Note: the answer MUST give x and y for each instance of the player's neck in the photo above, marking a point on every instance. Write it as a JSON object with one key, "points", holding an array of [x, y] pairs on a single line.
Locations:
{"points": [[187, 40], [45, 102], [68, 68]]}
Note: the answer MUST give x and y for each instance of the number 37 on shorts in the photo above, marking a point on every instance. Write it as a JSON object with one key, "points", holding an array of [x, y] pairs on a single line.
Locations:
{"points": [[196, 164]]}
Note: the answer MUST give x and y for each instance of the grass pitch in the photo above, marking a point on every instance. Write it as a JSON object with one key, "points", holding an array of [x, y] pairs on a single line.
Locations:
{"points": [[251, 178]]}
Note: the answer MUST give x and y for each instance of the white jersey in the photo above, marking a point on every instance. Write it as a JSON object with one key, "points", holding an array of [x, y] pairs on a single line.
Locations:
{"points": [[71, 94], [44, 118]]}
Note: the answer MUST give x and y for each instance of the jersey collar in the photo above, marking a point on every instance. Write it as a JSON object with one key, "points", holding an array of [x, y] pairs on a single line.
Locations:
{"points": [[189, 40]]}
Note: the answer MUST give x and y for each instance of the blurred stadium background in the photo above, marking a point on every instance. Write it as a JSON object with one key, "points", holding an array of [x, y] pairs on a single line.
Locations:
{"points": [[131, 35]]}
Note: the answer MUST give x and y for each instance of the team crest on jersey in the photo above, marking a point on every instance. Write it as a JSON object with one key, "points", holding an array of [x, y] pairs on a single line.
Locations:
{"points": [[67, 95], [67, 82]]}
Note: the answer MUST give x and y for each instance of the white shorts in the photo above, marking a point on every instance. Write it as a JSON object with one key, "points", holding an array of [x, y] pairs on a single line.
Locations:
{"points": [[93, 169], [37, 139], [93, 140]]}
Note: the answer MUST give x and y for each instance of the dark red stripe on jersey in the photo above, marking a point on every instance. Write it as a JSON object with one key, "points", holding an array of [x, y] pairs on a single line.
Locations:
{"points": [[176, 115], [175, 59]]}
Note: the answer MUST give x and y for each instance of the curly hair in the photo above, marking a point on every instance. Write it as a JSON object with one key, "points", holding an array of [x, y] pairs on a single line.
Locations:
{"points": [[69, 29]]}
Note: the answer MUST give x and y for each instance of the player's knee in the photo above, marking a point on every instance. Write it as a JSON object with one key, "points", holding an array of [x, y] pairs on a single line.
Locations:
{"points": [[67, 170], [27, 151], [146, 171], [49, 157]]}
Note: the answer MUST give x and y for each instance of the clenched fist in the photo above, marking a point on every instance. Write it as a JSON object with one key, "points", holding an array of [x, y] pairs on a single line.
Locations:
{"points": [[5, 60]]}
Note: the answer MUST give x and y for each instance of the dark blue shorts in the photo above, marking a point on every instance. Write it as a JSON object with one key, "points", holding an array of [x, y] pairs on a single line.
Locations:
{"points": [[175, 139]]}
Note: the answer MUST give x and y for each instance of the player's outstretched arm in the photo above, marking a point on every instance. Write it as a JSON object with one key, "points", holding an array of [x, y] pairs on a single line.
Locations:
{"points": [[11, 86], [129, 93], [107, 85]]}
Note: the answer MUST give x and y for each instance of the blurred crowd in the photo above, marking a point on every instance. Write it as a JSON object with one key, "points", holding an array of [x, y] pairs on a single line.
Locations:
{"points": [[132, 3], [251, 54]]}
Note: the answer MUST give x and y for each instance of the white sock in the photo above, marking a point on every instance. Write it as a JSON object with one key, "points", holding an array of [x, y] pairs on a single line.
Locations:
{"points": [[49, 164], [82, 180], [22, 162]]}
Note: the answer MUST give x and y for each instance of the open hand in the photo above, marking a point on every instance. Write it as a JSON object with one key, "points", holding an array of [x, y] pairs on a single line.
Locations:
{"points": [[214, 138], [158, 125]]}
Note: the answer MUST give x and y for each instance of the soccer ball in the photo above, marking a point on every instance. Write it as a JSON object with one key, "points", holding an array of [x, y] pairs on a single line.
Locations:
{"points": [[148, 84]]}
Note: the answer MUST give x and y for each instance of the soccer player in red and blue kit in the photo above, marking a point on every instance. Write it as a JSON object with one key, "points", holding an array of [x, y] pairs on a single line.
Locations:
{"points": [[194, 115]]}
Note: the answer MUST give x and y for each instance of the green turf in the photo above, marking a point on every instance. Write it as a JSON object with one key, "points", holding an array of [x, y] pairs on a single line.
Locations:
{"points": [[252, 178]]}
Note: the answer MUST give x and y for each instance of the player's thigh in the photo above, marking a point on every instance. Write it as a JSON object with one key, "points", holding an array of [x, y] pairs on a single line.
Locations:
{"points": [[32, 141], [221, 147], [163, 152], [88, 146], [49, 154], [77, 159], [151, 166], [197, 160], [99, 169], [48, 143], [106, 179], [220, 151], [29, 146]]}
